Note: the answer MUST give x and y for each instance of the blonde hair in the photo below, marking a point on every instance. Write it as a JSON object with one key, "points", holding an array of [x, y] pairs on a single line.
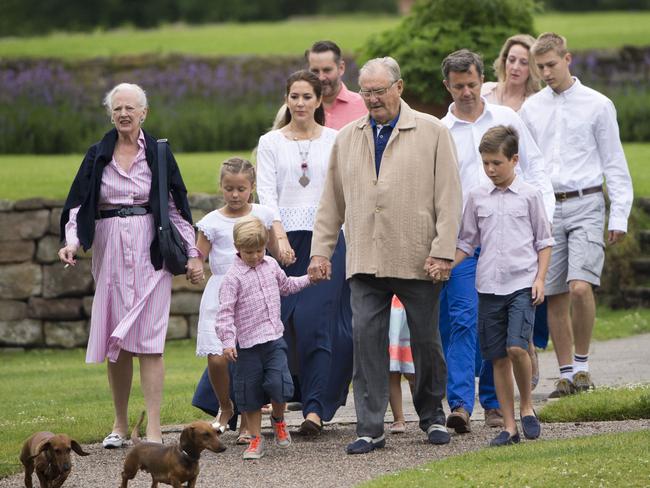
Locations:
{"points": [[500, 139], [236, 166], [250, 233], [533, 84], [550, 41]]}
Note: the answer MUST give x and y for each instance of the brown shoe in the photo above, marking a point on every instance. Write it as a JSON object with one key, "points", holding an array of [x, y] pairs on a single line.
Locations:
{"points": [[563, 387], [459, 421], [582, 381], [493, 418]]}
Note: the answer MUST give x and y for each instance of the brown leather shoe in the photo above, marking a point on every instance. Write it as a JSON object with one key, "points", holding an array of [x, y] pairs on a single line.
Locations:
{"points": [[459, 421], [493, 418]]}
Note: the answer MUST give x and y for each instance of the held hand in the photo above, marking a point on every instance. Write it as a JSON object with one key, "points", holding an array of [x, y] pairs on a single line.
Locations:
{"points": [[319, 269], [287, 255], [538, 292], [66, 254], [438, 269], [194, 271], [615, 236], [231, 354]]}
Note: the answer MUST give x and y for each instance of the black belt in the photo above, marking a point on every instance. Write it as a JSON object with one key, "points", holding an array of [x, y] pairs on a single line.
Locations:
{"points": [[124, 212], [565, 195]]}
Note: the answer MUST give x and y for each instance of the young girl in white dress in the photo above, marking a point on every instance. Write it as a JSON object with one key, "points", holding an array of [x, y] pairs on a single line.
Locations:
{"points": [[215, 240]]}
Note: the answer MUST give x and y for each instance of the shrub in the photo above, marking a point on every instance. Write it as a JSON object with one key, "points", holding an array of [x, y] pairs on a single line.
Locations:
{"points": [[435, 28]]}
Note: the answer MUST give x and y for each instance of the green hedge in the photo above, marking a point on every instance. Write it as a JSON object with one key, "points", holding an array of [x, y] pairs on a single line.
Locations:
{"points": [[37, 17]]}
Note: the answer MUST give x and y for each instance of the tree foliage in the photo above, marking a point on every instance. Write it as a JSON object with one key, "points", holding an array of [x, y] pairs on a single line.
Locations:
{"points": [[435, 28]]}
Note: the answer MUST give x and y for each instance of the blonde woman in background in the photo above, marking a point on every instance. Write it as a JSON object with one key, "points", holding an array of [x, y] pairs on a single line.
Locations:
{"points": [[516, 74]]}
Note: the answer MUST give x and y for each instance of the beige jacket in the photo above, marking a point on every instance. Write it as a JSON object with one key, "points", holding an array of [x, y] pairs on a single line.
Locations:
{"points": [[395, 221]]}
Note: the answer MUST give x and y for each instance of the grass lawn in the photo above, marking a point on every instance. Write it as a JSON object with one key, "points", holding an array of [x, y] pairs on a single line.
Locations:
{"points": [[615, 324], [289, 37], [603, 460], [50, 176], [55, 390], [584, 31], [621, 403]]}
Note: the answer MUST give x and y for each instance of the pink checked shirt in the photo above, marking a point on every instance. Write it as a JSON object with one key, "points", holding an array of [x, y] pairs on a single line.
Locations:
{"points": [[249, 298]]}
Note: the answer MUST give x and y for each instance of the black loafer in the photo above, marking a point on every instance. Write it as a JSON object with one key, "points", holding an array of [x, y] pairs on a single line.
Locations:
{"points": [[438, 435], [363, 446], [531, 427], [505, 439]]}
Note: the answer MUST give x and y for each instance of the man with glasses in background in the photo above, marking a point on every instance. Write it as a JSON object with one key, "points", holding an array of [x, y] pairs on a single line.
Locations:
{"points": [[393, 180]]}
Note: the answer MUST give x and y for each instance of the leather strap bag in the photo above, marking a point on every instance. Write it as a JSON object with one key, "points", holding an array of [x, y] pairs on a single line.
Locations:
{"points": [[170, 242]]}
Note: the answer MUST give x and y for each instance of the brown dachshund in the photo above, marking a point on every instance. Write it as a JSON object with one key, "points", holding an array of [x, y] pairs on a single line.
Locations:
{"points": [[173, 464], [49, 455]]}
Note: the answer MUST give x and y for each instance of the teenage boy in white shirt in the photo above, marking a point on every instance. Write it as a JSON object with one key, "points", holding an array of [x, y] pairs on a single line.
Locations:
{"points": [[576, 129]]}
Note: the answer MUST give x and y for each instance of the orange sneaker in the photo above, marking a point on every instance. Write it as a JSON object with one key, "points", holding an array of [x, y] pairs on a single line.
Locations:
{"points": [[255, 449], [280, 432]]}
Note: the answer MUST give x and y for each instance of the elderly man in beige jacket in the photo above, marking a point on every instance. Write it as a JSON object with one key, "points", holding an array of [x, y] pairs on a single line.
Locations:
{"points": [[393, 180]]}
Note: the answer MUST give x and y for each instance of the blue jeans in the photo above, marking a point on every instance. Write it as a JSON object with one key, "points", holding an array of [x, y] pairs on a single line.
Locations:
{"points": [[458, 330]]}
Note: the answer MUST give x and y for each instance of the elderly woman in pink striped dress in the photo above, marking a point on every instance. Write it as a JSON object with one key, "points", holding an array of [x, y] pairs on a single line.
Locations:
{"points": [[113, 206]]}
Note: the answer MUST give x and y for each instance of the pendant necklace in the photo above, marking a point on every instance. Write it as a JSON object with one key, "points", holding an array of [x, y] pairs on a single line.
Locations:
{"points": [[304, 155]]}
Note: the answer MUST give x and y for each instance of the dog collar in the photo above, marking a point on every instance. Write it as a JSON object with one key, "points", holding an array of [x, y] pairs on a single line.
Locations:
{"points": [[191, 458]]}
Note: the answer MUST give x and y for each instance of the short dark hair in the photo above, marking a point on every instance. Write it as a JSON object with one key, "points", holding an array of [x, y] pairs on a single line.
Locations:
{"points": [[323, 47], [461, 62], [502, 139]]}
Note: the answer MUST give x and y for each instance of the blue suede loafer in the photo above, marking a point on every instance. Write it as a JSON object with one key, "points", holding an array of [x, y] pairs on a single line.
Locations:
{"points": [[505, 439], [531, 427]]}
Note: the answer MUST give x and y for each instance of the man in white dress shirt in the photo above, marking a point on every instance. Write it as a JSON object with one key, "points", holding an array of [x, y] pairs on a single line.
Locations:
{"points": [[468, 118], [577, 131]]}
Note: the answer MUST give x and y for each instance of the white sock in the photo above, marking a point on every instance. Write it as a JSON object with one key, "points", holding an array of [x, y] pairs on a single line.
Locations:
{"points": [[566, 372], [580, 363]]}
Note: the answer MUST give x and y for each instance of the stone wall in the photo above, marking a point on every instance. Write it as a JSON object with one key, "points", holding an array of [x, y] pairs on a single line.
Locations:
{"points": [[42, 304]]}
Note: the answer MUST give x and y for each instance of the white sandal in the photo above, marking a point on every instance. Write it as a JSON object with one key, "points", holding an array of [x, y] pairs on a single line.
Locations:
{"points": [[113, 440], [216, 425]]}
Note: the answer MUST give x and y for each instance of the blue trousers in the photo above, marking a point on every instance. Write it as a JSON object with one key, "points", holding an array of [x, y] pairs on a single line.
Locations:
{"points": [[318, 330], [458, 330]]}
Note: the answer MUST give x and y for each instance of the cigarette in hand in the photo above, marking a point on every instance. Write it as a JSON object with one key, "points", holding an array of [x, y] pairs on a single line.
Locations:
{"points": [[66, 266]]}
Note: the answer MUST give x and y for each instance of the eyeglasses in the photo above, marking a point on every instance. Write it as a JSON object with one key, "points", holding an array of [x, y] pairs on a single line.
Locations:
{"points": [[379, 92]]}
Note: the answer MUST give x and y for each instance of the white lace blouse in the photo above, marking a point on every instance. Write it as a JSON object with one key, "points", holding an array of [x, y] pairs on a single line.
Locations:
{"points": [[279, 171]]}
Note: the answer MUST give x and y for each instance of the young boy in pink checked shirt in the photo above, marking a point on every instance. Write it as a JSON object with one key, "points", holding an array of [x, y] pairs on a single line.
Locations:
{"points": [[250, 329]]}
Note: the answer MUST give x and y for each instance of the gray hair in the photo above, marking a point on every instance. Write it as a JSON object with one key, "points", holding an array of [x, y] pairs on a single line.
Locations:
{"points": [[387, 63], [461, 62], [108, 98]]}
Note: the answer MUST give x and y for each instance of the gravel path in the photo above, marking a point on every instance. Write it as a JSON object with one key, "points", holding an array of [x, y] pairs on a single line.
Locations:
{"points": [[320, 462]]}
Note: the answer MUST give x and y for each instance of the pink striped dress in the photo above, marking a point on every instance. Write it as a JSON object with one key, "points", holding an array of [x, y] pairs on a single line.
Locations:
{"points": [[131, 305]]}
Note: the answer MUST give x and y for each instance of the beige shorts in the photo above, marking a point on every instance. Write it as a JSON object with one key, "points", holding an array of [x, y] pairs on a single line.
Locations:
{"points": [[579, 250]]}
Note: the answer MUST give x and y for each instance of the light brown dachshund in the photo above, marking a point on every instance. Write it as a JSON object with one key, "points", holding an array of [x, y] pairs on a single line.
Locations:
{"points": [[49, 455], [173, 464]]}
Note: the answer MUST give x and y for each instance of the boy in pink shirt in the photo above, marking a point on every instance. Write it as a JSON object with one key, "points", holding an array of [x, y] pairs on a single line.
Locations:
{"points": [[506, 218], [250, 329]]}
